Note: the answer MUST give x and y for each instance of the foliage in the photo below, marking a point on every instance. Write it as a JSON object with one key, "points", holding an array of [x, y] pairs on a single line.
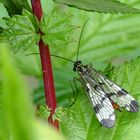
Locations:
{"points": [[23, 30], [104, 6], [106, 39], [43, 112], [16, 6], [56, 30], [16, 110], [3, 14]]}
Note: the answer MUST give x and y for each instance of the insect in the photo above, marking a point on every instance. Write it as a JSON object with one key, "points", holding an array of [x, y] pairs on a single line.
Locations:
{"points": [[104, 95]]}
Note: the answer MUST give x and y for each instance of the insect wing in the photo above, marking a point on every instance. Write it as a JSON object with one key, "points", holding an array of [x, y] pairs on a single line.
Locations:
{"points": [[118, 95], [101, 104]]}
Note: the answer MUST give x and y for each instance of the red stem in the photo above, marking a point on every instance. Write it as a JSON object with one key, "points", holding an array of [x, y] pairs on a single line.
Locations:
{"points": [[46, 68]]}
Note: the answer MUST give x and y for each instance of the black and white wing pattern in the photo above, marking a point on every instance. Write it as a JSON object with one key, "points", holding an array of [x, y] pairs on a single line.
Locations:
{"points": [[104, 94], [118, 95], [101, 104]]}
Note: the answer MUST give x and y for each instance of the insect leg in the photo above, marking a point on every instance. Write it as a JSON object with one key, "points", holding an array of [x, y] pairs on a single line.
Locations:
{"points": [[74, 89]]}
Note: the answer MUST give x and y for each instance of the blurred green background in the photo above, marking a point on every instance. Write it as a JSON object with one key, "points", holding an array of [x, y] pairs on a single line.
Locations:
{"points": [[106, 39]]}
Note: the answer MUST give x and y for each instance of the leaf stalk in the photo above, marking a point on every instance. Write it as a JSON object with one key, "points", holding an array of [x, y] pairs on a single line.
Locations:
{"points": [[46, 68]]}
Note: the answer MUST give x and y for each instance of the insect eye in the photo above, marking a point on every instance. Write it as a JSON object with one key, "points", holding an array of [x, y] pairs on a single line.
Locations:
{"points": [[79, 69]]}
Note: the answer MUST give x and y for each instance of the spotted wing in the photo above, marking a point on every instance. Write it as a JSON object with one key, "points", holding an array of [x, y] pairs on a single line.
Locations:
{"points": [[101, 104], [118, 95]]}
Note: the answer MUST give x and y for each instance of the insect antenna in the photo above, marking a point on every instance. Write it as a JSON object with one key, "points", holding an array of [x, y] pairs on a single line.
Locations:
{"points": [[54, 56], [63, 58], [80, 38]]}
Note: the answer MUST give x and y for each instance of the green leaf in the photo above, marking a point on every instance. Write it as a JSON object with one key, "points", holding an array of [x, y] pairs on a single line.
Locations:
{"points": [[16, 6], [80, 123], [3, 10], [43, 112], [22, 4], [56, 29], [3, 14], [11, 8], [16, 110], [15, 100], [3, 122], [103, 6], [21, 31]]}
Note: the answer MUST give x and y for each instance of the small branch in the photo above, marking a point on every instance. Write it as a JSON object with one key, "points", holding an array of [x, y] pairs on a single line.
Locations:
{"points": [[46, 68]]}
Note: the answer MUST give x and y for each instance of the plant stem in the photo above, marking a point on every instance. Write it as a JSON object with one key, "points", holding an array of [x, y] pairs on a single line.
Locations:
{"points": [[46, 68]]}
